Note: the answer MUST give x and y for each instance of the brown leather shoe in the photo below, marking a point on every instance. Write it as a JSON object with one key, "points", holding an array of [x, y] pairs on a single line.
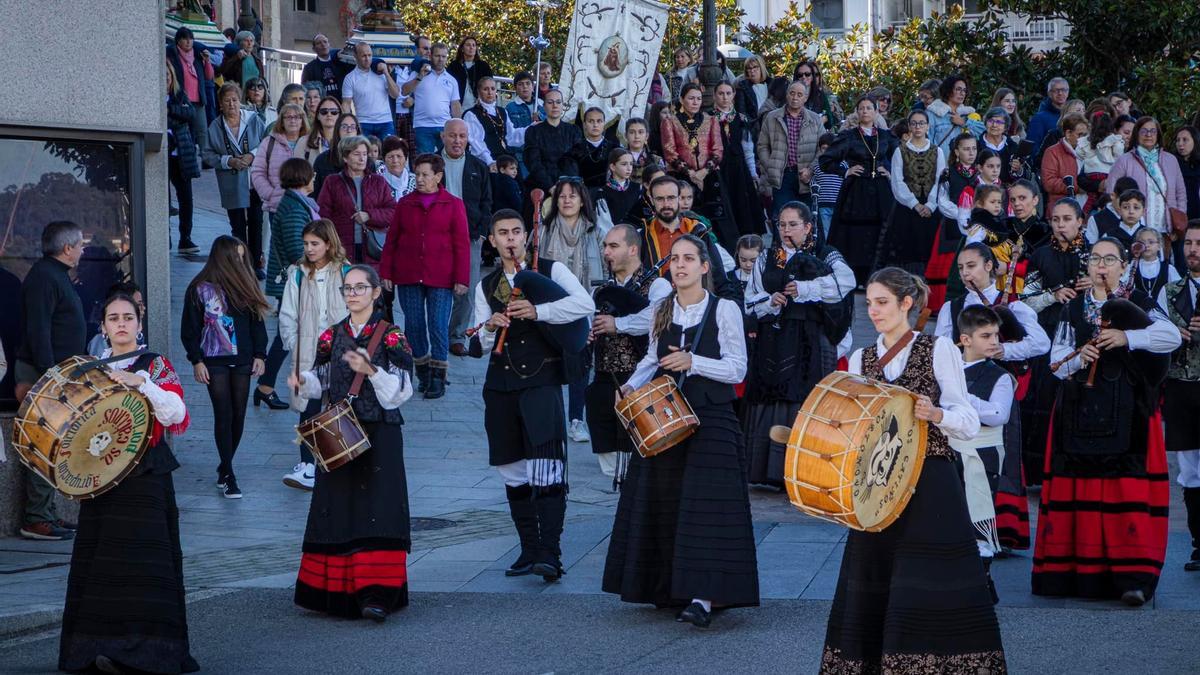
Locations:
{"points": [[458, 349]]}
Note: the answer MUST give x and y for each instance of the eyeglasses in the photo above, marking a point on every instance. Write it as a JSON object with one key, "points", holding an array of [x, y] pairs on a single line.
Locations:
{"points": [[961, 88], [328, 111], [1147, 131], [804, 74], [916, 123], [293, 118], [351, 128], [1106, 260], [1059, 90], [356, 290], [995, 120]]}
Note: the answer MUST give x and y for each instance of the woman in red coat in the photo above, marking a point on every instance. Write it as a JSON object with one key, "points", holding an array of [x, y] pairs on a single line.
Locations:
{"points": [[427, 259], [1060, 162], [692, 149], [357, 199]]}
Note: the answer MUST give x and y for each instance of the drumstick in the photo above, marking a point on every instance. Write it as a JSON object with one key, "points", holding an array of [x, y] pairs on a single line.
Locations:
{"points": [[780, 434]]}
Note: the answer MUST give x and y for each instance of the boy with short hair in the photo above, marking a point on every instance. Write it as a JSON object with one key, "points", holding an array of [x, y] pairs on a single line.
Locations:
{"points": [[506, 184], [991, 462], [826, 187], [1107, 217], [1131, 207]]}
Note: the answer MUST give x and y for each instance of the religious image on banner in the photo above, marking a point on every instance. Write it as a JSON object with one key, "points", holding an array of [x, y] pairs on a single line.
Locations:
{"points": [[611, 56]]}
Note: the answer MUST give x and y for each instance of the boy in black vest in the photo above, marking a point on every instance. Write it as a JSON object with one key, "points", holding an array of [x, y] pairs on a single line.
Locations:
{"points": [[1108, 217], [987, 468], [522, 394]]}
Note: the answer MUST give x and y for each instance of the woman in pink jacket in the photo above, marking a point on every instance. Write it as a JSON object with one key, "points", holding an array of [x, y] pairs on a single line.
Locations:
{"points": [[427, 259], [276, 149], [1156, 172], [358, 201]]}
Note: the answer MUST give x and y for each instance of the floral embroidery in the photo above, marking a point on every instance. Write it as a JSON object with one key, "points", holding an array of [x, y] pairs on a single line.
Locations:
{"points": [[325, 342], [395, 339], [979, 663]]}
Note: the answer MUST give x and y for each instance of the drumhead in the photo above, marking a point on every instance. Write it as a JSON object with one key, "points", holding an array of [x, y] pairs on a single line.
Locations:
{"points": [[102, 444], [890, 456]]}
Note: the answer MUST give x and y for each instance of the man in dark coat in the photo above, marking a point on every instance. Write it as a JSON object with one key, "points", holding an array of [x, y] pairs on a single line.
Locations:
{"points": [[467, 178]]}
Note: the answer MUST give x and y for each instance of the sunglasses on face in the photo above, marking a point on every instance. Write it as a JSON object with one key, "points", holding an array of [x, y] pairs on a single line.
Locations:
{"points": [[328, 111], [804, 74], [257, 86]]}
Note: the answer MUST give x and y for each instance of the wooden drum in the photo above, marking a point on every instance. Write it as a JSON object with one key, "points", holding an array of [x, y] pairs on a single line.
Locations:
{"points": [[80, 430], [657, 416], [855, 452], [334, 436]]}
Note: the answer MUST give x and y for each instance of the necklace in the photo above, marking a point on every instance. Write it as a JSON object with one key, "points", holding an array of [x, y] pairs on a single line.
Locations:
{"points": [[873, 153]]}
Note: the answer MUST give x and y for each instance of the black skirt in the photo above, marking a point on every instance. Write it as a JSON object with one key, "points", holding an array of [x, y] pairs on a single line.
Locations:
{"points": [[907, 240], [683, 527], [357, 537], [125, 594], [862, 206], [766, 457], [914, 598]]}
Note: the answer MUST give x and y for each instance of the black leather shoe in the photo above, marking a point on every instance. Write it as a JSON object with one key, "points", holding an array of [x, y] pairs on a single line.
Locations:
{"points": [[107, 665], [458, 349], [1134, 598], [375, 613], [548, 571], [272, 400], [696, 615], [1191, 566]]}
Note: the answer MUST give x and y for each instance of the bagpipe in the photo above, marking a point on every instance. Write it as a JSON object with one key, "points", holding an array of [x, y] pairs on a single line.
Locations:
{"points": [[617, 300], [1122, 314]]}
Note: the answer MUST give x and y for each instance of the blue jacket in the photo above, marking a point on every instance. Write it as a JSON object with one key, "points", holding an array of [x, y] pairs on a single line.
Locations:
{"points": [[1045, 119]]}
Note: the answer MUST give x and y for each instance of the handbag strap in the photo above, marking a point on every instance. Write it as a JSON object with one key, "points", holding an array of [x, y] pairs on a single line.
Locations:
{"points": [[1149, 178], [299, 324], [380, 328], [270, 149]]}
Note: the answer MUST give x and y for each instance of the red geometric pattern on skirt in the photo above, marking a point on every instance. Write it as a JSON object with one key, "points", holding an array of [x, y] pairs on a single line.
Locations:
{"points": [[937, 271], [1012, 520], [354, 572], [1132, 542]]}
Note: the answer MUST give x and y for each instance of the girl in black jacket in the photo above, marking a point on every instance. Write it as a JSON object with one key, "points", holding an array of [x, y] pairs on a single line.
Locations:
{"points": [[467, 69], [223, 331]]}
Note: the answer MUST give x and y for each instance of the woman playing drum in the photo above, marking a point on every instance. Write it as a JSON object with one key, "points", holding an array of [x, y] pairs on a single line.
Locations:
{"points": [[884, 615], [682, 533], [357, 539], [125, 599]]}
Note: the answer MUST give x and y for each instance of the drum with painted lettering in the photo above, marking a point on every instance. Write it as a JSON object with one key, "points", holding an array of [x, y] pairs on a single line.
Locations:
{"points": [[80, 430], [855, 452]]}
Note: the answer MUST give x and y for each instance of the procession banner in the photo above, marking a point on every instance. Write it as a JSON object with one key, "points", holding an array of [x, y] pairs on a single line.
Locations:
{"points": [[611, 56]]}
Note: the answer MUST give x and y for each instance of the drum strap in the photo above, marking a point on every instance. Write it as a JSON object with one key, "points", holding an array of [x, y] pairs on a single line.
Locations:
{"points": [[92, 365], [895, 349], [696, 338], [380, 328]]}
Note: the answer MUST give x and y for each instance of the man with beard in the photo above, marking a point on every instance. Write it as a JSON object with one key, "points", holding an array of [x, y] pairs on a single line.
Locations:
{"points": [[1181, 398], [619, 337], [669, 225]]}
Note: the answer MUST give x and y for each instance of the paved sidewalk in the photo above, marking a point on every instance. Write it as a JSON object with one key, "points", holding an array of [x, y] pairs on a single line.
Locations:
{"points": [[463, 538]]}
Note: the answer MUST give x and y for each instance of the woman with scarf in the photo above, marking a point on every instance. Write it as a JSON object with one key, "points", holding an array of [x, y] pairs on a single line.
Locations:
{"points": [[571, 236], [357, 538], [908, 237], [692, 148], [1158, 177], [395, 163], [125, 608], [738, 174], [863, 156], [1102, 523], [229, 148]]}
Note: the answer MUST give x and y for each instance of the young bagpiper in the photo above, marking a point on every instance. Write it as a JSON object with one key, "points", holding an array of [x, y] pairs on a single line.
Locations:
{"points": [[914, 597], [682, 536], [522, 393], [357, 538]]}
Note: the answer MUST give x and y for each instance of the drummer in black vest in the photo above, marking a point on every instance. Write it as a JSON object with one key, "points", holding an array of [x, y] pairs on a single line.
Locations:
{"points": [[796, 290], [522, 394], [619, 333], [682, 534], [489, 130], [125, 608], [913, 597]]}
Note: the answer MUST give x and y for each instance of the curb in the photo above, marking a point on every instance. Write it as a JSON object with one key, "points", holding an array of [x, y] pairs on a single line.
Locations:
{"points": [[20, 625]]}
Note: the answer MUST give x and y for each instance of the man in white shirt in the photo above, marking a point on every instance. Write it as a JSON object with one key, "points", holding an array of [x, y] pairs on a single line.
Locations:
{"points": [[368, 93], [435, 100], [404, 103]]}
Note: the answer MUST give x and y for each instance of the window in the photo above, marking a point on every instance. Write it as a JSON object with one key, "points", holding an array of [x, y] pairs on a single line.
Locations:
{"points": [[43, 180], [306, 5], [828, 14], [971, 7], [901, 11]]}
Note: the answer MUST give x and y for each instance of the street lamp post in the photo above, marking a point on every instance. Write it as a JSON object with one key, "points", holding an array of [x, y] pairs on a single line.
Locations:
{"points": [[710, 70], [246, 17]]}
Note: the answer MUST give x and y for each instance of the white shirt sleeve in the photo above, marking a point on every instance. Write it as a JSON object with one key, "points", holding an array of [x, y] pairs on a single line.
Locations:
{"points": [[754, 290], [515, 136], [1064, 343], [475, 139], [639, 324], [483, 312], [648, 365], [829, 288], [931, 200], [1035, 342], [1161, 337], [1091, 232], [843, 347], [959, 419], [899, 187], [310, 385], [854, 363], [726, 260], [994, 410], [392, 386], [947, 207], [167, 405], [731, 367], [945, 324]]}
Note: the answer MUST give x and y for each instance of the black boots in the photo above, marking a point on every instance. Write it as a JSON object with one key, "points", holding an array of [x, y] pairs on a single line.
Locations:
{"points": [[422, 376], [1191, 501], [437, 381], [551, 505], [524, 515]]}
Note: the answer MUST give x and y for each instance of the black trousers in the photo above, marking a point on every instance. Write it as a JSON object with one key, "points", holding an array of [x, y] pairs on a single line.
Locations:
{"points": [[183, 192], [247, 225], [229, 391]]}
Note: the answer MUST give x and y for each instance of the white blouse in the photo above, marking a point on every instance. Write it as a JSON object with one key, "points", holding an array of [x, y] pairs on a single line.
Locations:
{"points": [[639, 324], [1035, 342], [900, 189], [829, 288], [730, 368], [392, 385], [1161, 337], [576, 305], [995, 409], [167, 405], [959, 419]]}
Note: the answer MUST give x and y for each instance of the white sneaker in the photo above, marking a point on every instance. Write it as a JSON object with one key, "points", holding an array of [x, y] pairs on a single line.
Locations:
{"points": [[301, 477], [579, 432]]}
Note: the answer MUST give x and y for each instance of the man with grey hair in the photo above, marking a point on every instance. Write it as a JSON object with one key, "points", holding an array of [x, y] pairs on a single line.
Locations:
{"points": [[787, 148], [435, 99], [53, 328], [467, 178], [244, 64], [1046, 118]]}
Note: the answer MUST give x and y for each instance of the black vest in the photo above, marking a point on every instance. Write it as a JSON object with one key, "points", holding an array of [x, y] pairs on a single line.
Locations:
{"points": [[956, 182], [529, 359], [1113, 229], [699, 391], [1152, 285], [619, 353], [1056, 268], [495, 133], [803, 266]]}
